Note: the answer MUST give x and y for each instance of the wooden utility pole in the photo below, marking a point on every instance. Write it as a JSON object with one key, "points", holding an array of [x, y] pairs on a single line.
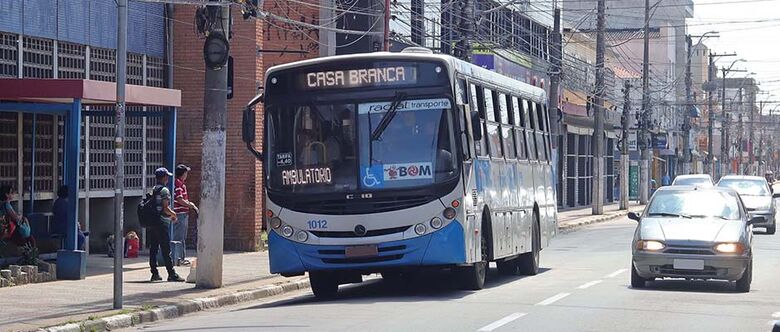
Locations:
{"points": [[598, 127], [624, 156], [687, 157], [644, 137]]}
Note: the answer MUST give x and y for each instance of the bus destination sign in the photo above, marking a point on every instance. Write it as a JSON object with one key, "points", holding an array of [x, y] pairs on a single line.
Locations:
{"points": [[357, 78]]}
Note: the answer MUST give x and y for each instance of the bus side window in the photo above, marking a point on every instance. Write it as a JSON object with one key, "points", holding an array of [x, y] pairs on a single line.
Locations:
{"points": [[548, 135], [542, 132], [478, 104], [493, 128], [519, 124], [533, 154], [507, 137]]}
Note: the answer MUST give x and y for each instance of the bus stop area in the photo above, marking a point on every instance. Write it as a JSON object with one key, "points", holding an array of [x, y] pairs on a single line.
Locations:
{"points": [[246, 277], [56, 132]]}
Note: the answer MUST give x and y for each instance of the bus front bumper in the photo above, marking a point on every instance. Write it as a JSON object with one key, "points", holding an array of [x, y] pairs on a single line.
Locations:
{"points": [[442, 247]]}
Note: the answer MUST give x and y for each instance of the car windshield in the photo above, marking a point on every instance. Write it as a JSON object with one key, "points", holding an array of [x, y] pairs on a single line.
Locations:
{"points": [[746, 187], [326, 147], [694, 204], [692, 181]]}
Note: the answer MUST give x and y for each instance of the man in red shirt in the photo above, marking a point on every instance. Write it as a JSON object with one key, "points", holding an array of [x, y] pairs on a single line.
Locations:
{"points": [[182, 206]]}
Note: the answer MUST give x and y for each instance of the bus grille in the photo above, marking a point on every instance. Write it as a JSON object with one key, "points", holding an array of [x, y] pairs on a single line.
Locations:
{"points": [[360, 206], [349, 234]]}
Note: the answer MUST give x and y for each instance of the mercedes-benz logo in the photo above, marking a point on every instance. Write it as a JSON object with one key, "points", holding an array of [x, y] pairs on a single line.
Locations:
{"points": [[360, 230]]}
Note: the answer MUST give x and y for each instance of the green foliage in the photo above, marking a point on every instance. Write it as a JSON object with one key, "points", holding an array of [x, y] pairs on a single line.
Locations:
{"points": [[29, 255]]}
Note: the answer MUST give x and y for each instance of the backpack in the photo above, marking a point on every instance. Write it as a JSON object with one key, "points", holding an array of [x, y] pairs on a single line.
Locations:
{"points": [[148, 214]]}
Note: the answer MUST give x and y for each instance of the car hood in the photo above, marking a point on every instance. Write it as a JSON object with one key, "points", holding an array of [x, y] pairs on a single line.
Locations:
{"points": [[694, 230], [757, 202]]}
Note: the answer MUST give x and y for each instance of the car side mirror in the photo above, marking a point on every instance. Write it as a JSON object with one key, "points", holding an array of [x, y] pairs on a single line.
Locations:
{"points": [[776, 195], [476, 126], [248, 125], [633, 216], [756, 220]]}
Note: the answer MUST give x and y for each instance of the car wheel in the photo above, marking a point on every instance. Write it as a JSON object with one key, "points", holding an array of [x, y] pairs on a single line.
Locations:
{"points": [[323, 284], [771, 229], [636, 280], [743, 284], [528, 263]]}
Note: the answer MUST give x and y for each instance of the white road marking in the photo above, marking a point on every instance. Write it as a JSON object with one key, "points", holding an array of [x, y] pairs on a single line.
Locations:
{"points": [[589, 284], [616, 273], [553, 299], [501, 322]]}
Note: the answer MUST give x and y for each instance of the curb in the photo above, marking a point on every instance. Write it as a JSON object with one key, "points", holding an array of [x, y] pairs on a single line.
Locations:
{"points": [[595, 220], [180, 309]]}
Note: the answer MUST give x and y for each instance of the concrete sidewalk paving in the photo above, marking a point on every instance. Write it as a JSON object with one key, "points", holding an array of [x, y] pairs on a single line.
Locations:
{"points": [[86, 304]]}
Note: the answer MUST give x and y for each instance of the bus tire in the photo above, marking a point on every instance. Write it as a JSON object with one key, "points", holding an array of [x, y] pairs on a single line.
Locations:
{"points": [[473, 277], [324, 285], [528, 263]]}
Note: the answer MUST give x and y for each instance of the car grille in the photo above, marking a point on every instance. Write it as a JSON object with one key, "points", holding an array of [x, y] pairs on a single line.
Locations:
{"points": [[670, 271], [689, 251], [351, 234], [360, 206]]}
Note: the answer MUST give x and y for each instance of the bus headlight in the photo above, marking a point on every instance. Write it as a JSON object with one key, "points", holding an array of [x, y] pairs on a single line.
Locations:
{"points": [[302, 236], [420, 229], [436, 222], [287, 231], [276, 222], [449, 213]]}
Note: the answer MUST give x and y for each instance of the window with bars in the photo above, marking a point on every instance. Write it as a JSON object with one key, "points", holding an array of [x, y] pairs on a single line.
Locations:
{"points": [[71, 60], [43, 127], [102, 64], [135, 69], [9, 55], [37, 58]]}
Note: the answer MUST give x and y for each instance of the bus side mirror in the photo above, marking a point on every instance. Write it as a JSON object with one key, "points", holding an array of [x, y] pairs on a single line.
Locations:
{"points": [[248, 125], [248, 131], [476, 126]]}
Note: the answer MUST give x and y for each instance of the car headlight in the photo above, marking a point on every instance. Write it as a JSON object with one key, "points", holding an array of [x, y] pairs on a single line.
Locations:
{"points": [[730, 248], [650, 245]]}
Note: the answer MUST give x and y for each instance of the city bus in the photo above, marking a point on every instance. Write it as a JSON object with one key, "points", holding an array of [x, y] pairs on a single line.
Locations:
{"points": [[393, 163]]}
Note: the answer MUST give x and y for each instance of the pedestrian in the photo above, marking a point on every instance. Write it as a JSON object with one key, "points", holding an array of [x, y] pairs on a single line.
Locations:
{"points": [[13, 227], [157, 232], [666, 180], [60, 212], [182, 206]]}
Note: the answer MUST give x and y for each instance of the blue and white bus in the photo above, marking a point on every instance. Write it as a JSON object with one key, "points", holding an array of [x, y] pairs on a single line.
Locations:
{"points": [[394, 162]]}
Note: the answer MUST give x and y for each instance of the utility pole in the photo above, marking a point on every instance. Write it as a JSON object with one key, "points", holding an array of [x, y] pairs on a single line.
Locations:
{"points": [[624, 156], [386, 31], [724, 130], [711, 115], [751, 153], [687, 158], [212, 194], [598, 127], [740, 133], [644, 140], [119, 161], [466, 30], [555, 82]]}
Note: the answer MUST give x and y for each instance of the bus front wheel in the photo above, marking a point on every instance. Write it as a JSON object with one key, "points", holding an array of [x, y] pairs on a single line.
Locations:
{"points": [[324, 285], [473, 277]]}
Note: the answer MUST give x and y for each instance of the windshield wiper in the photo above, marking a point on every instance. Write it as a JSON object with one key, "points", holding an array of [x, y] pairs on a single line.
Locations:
{"points": [[389, 116], [666, 214], [703, 216]]}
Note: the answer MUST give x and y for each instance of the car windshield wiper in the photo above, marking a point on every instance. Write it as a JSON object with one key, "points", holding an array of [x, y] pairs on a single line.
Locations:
{"points": [[389, 116], [703, 216], [666, 214]]}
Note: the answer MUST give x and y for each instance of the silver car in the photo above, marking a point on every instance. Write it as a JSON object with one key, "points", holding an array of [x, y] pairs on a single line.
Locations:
{"points": [[756, 195], [693, 233], [703, 180]]}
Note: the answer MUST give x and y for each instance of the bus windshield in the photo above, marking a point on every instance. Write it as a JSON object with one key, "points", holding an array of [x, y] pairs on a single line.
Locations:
{"points": [[323, 148]]}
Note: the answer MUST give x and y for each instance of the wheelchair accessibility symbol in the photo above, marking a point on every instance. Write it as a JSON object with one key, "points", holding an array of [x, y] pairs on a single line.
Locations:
{"points": [[372, 177]]}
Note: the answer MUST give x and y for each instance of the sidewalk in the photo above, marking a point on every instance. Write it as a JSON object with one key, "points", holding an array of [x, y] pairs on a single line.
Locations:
{"points": [[574, 218], [66, 300], [246, 276]]}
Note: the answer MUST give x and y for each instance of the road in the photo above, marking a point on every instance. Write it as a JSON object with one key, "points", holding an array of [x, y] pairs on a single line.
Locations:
{"points": [[584, 286]]}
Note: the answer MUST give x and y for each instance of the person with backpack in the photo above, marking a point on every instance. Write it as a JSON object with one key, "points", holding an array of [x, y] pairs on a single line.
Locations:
{"points": [[156, 215]]}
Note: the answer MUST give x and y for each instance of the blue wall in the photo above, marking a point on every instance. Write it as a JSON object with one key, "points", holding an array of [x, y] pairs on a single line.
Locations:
{"points": [[91, 22]]}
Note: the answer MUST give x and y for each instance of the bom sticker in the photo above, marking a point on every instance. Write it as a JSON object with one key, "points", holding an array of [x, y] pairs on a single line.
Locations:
{"points": [[409, 171]]}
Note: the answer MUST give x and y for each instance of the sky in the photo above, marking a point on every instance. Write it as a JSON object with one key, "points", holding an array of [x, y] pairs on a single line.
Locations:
{"points": [[749, 28]]}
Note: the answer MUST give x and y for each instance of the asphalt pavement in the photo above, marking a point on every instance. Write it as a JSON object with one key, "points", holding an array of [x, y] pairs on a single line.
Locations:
{"points": [[583, 286]]}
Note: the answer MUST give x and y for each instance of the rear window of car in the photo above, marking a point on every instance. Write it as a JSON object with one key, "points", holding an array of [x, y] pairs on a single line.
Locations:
{"points": [[692, 181], [746, 186]]}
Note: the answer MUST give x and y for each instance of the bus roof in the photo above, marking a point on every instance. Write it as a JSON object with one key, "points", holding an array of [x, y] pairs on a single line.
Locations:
{"points": [[460, 66]]}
